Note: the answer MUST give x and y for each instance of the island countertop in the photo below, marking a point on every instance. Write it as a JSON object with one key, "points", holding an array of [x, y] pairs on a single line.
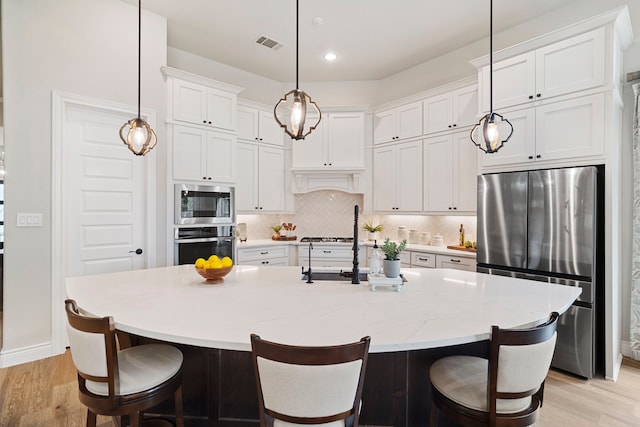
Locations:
{"points": [[435, 308]]}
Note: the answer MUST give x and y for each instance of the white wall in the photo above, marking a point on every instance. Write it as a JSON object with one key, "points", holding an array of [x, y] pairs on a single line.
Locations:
{"points": [[84, 47]]}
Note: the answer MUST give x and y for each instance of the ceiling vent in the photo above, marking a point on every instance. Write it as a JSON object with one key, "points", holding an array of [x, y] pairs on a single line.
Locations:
{"points": [[270, 43]]}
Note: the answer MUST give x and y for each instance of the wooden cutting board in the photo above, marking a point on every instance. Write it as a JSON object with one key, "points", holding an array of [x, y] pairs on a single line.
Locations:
{"points": [[460, 248]]}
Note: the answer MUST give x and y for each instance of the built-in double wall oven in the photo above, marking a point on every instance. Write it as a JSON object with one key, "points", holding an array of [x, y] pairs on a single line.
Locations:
{"points": [[205, 222]]}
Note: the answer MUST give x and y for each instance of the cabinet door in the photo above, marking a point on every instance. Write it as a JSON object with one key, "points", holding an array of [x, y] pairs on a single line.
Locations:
{"points": [[521, 148], [189, 154], [571, 65], [345, 140], [247, 123], [513, 82], [310, 153], [465, 106], [272, 182], [247, 180], [456, 263], [465, 160], [571, 128], [409, 177], [437, 113], [384, 127], [409, 120], [438, 174], [384, 179], [221, 157], [221, 109], [269, 130], [189, 102]]}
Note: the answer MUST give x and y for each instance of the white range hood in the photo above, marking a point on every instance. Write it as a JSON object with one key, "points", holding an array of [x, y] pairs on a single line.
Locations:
{"points": [[347, 180]]}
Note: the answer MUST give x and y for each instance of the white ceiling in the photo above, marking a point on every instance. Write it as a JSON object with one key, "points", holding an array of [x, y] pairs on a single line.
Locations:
{"points": [[372, 38]]}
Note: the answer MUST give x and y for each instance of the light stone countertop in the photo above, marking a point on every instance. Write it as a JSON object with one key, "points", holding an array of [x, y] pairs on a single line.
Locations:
{"points": [[435, 308], [443, 250]]}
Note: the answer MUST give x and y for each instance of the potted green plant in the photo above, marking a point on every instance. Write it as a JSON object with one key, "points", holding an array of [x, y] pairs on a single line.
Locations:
{"points": [[391, 263], [276, 229], [372, 229]]}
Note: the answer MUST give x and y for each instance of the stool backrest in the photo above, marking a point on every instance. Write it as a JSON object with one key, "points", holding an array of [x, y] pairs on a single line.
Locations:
{"points": [[93, 348], [309, 385]]}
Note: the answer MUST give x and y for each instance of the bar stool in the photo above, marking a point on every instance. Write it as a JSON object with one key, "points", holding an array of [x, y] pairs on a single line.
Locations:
{"points": [[506, 390], [116, 382], [309, 385]]}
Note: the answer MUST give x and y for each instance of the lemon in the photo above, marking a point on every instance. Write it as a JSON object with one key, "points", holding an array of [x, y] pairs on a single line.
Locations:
{"points": [[214, 258], [226, 262], [216, 264], [200, 262]]}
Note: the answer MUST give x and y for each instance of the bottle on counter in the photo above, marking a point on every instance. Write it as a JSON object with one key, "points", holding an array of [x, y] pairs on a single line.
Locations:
{"points": [[462, 235], [375, 260]]}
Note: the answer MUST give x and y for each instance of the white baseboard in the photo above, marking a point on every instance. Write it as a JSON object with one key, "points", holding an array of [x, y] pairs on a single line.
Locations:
{"points": [[25, 354], [625, 348]]}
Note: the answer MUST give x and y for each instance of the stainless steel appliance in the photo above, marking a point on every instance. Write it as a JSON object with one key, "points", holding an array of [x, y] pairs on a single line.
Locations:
{"points": [[204, 204], [547, 225], [196, 242]]}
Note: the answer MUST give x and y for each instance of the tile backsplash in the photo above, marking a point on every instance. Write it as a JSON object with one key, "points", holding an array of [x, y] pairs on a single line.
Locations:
{"points": [[330, 213]]}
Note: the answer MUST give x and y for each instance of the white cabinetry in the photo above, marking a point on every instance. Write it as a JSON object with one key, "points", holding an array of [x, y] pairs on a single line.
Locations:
{"points": [[450, 173], [202, 155], [571, 65], [571, 129], [455, 262], [202, 105], [397, 177], [259, 125], [423, 259], [261, 185], [398, 123], [451, 110], [337, 142], [327, 256], [265, 256]]}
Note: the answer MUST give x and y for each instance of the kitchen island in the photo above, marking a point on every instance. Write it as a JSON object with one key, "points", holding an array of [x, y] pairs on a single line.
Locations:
{"points": [[437, 312]]}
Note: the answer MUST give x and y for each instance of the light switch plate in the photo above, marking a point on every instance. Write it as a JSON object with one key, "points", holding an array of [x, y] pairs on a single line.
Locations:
{"points": [[28, 219]]}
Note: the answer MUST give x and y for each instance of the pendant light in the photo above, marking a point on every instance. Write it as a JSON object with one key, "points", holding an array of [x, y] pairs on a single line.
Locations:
{"points": [[295, 108], [487, 130], [140, 138]]}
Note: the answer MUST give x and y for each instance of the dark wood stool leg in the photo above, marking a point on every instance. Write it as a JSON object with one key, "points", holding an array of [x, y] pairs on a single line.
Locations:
{"points": [[179, 408], [433, 416], [91, 418]]}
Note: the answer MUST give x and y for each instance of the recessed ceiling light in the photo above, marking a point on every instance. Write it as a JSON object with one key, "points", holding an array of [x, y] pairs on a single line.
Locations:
{"points": [[330, 57]]}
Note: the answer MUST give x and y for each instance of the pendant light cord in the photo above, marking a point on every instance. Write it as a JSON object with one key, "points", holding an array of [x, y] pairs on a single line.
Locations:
{"points": [[139, 49], [297, 44], [490, 56]]}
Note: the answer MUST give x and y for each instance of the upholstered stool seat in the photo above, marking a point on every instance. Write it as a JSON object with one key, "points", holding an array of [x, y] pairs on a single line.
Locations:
{"points": [[504, 390]]}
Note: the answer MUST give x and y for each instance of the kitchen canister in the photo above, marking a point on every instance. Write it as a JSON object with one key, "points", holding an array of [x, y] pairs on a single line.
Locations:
{"points": [[425, 238], [414, 236], [437, 240], [403, 233]]}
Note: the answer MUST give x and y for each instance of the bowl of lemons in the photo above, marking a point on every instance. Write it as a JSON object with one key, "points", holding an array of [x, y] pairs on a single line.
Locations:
{"points": [[214, 269]]}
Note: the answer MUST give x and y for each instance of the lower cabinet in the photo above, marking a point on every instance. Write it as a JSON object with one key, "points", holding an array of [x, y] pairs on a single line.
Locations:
{"points": [[456, 263], [327, 256], [422, 259], [260, 184], [265, 256]]}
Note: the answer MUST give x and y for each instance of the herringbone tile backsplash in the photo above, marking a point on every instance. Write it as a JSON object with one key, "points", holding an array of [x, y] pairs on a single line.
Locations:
{"points": [[330, 214]]}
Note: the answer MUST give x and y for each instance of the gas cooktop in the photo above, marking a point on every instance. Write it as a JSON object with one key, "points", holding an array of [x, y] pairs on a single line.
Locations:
{"points": [[328, 239]]}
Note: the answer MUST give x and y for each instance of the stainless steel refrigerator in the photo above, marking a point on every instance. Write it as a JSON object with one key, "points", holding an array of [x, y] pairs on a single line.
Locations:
{"points": [[547, 225]]}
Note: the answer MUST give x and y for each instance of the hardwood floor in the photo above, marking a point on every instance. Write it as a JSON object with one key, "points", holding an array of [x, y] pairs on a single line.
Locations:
{"points": [[44, 394]]}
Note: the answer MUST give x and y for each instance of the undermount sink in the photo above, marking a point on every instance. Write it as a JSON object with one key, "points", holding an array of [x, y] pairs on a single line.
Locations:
{"points": [[338, 276]]}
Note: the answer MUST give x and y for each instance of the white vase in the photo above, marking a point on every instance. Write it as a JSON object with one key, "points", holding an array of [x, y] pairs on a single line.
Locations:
{"points": [[391, 268]]}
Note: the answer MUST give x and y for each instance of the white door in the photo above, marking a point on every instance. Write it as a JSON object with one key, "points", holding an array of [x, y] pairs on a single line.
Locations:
{"points": [[103, 195]]}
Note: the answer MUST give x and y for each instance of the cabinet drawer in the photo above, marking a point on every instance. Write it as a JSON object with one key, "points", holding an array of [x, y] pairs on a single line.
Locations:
{"points": [[456, 263], [268, 262], [260, 254], [405, 258], [421, 259]]}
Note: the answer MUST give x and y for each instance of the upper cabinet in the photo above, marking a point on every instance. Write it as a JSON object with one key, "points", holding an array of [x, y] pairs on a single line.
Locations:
{"points": [[564, 67], [200, 101], [259, 125], [398, 123], [337, 143], [261, 185], [397, 177], [451, 110]]}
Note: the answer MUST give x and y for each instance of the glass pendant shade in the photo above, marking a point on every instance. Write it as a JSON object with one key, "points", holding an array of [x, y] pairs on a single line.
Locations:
{"points": [[140, 138], [486, 133], [297, 114]]}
